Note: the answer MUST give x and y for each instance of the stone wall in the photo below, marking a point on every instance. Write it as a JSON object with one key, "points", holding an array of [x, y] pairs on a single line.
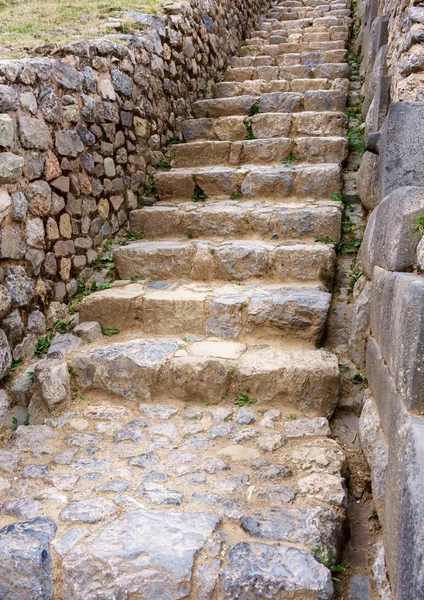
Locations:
{"points": [[389, 304], [81, 131]]}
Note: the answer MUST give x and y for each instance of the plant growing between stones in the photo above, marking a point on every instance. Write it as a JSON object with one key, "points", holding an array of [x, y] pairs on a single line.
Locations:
{"points": [[291, 417], [15, 423], [291, 158], [164, 164], [150, 189], [236, 196], [254, 109], [249, 132], [326, 558], [353, 275], [110, 331], [244, 400], [198, 194], [174, 139], [419, 226]]}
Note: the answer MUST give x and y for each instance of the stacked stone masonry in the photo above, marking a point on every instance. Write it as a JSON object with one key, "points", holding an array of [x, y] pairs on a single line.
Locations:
{"points": [[387, 330], [80, 131], [195, 459]]}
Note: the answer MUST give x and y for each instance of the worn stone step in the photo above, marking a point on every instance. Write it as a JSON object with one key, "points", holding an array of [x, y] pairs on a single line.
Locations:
{"points": [[252, 181], [289, 102], [261, 151], [238, 218], [312, 43], [227, 311], [281, 70], [146, 368], [267, 125], [239, 260]]}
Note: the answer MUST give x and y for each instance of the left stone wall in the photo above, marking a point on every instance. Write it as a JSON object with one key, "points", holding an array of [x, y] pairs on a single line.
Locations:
{"points": [[81, 131]]}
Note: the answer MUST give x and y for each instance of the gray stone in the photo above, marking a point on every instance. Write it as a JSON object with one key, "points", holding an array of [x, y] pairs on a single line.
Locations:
{"points": [[206, 578], [39, 440], [36, 322], [279, 102], [306, 427], [63, 344], [20, 286], [133, 368], [68, 143], [11, 166], [34, 471], [25, 560], [270, 417], [24, 508], [9, 98], [34, 232], [52, 391], [88, 331], [245, 415], [379, 572], [222, 430], [91, 510], [14, 328], [68, 541], [39, 197], [121, 82], [214, 465], [397, 325], [5, 302], [260, 571], [402, 139], [375, 448], [62, 481], [83, 439], [145, 461], [160, 495], [4, 407], [391, 236], [311, 526], [192, 412], [168, 430], [221, 413], [34, 165], [5, 355], [270, 441], [28, 102], [67, 75], [360, 588], [367, 180], [12, 243], [149, 20], [360, 322], [5, 203], [19, 207], [26, 349], [323, 486], [7, 131], [50, 105], [34, 133], [9, 461], [147, 550], [115, 485]]}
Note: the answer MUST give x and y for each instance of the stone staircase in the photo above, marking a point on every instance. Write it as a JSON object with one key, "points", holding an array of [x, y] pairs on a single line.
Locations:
{"points": [[225, 298]]}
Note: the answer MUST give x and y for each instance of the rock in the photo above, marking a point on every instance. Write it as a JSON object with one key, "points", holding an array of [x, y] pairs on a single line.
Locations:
{"points": [[5, 302], [34, 471], [89, 331], [360, 324], [68, 143], [52, 392], [9, 461], [359, 588], [14, 328], [160, 495], [4, 407], [34, 133], [12, 242], [24, 508], [69, 539], [25, 560], [7, 131], [379, 573], [245, 416], [5, 355], [28, 102], [11, 166], [63, 344], [56, 312], [420, 254], [375, 447], [157, 557], [9, 99], [5, 203], [25, 350], [270, 417], [270, 441], [39, 197], [325, 487], [306, 427], [36, 322], [367, 180], [36, 439], [275, 570], [323, 455], [19, 207], [91, 510], [67, 75], [20, 286], [309, 526], [133, 368]]}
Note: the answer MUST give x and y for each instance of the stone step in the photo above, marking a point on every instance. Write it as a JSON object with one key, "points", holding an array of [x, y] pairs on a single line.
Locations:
{"points": [[252, 181], [260, 151], [257, 87], [235, 260], [308, 45], [267, 125], [239, 219], [288, 71], [237, 312], [286, 102], [147, 368]]}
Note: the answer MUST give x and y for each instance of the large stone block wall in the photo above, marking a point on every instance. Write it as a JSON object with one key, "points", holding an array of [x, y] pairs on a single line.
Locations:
{"points": [[81, 130], [389, 304]]}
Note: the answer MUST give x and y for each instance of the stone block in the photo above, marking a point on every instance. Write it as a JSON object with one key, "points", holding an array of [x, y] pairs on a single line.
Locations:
{"points": [[392, 236], [397, 324], [11, 166], [7, 131], [402, 141], [34, 133], [368, 180], [360, 325]]}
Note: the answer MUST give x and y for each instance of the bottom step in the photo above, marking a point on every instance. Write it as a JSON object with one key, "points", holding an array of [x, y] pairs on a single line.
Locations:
{"points": [[207, 371]]}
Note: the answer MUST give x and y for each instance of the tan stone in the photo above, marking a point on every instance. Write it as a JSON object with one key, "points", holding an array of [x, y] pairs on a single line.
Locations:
{"points": [[65, 226], [173, 313]]}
